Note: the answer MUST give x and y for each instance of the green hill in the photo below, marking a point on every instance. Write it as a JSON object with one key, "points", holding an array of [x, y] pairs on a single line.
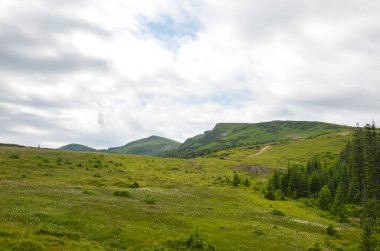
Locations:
{"points": [[77, 148], [326, 147], [61, 200], [152, 145], [227, 135]]}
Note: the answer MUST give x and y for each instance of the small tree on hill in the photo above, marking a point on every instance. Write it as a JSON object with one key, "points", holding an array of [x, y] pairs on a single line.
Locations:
{"points": [[324, 198], [235, 180], [338, 203], [246, 182]]}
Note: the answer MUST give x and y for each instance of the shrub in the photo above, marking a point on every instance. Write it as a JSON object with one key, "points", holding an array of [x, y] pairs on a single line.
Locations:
{"points": [[14, 156], [235, 180], [330, 230], [28, 245], [316, 247], [134, 185], [122, 193], [246, 182], [88, 192], [59, 234], [149, 200], [258, 231], [193, 242], [269, 195], [278, 212]]}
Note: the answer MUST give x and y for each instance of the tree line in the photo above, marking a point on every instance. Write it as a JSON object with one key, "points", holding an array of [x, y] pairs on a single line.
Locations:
{"points": [[353, 179]]}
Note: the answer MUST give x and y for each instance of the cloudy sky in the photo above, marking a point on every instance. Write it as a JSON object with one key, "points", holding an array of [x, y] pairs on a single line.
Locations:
{"points": [[103, 73]]}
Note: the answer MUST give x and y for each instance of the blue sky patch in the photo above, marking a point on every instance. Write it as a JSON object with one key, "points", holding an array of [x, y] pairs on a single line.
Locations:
{"points": [[167, 29]]}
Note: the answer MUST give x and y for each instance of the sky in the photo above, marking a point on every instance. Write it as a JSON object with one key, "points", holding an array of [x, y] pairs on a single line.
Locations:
{"points": [[104, 73]]}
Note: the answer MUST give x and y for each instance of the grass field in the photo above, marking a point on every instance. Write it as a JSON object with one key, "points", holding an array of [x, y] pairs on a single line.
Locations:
{"points": [[325, 147], [57, 200]]}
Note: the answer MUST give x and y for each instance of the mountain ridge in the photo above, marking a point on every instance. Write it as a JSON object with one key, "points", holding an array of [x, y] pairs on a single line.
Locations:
{"points": [[222, 136]]}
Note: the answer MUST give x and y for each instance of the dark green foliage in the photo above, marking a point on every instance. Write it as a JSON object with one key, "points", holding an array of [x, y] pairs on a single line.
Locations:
{"points": [[258, 231], [317, 247], [353, 178], [246, 182], [149, 200], [270, 195], [330, 230], [278, 212], [324, 198], [235, 180], [122, 193], [368, 241], [28, 245], [338, 203], [60, 234], [14, 156], [134, 185], [88, 192], [193, 242]]}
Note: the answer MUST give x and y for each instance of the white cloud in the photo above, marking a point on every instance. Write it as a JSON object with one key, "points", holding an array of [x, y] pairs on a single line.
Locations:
{"points": [[103, 73]]}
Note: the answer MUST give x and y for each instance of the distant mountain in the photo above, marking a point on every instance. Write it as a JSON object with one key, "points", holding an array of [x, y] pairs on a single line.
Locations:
{"points": [[77, 148], [227, 135], [10, 145], [153, 145]]}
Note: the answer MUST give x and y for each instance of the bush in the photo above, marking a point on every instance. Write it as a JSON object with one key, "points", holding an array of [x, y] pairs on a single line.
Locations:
{"points": [[269, 195], [235, 180], [330, 230], [193, 242], [134, 185], [28, 245], [278, 212], [258, 231], [59, 234], [88, 192], [316, 247], [122, 193], [149, 200], [246, 182], [14, 156]]}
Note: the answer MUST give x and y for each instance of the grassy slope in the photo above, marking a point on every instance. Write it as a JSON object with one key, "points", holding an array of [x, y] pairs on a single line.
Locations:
{"points": [[326, 147], [225, 135], [77, 147], [153, 145], [43, 190]]}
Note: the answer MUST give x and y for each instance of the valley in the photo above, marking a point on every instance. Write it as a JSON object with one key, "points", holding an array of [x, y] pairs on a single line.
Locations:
{"points": [[65, 200]]}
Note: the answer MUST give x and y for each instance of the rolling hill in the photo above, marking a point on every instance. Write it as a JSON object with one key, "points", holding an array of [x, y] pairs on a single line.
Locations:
{"points": [[228, 135], [152, 145], [77, 148], [63, 200]]}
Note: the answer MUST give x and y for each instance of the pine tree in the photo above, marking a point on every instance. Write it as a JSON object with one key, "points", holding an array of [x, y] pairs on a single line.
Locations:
{"points": [[246, 182], [235, 180], [338, 203], [324, 198], [357, 158], [370, 187]]}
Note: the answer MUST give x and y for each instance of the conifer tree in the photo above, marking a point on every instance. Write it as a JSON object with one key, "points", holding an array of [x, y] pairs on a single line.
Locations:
{"points": [[235, 180], [338, 203], [324, 198]]}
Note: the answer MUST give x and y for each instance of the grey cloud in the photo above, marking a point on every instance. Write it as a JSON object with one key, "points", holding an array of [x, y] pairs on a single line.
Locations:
{"points": [[46, 22], [23, 40], [11, 61]]}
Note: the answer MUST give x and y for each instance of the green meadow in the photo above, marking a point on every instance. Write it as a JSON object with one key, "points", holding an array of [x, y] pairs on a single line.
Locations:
{"points": [[58, 200]]}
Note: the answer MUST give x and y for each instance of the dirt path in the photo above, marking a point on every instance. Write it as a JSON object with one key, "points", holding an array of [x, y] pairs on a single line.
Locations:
{"points": [[259, 152]]}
